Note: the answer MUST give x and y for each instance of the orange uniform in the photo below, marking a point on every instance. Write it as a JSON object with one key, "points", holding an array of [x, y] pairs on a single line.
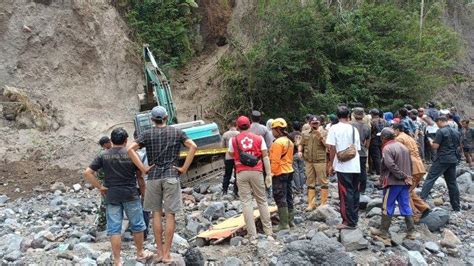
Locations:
{"points": [[281, 156]]}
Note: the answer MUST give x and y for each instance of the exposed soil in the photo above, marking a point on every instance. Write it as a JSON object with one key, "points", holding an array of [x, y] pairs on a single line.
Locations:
{"points": [[27, 178]]}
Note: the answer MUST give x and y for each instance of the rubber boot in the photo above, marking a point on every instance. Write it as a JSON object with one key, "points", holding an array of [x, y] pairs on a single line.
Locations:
{"points": [[291, 216], [283, 215], [383, 234], [324, 196], [311, 199], [411, 232]]}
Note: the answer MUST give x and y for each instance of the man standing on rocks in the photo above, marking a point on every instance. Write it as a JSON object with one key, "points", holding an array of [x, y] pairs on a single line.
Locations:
{"points": [[105, 144], [229, 161], [250, 156], [299, 177], [446, 144], [121, 194], [364, 133], [396, 180], [418, 206], [313, 149], [375, 147], [163, 191], [281, 160], [467, 141], [342, 139]]}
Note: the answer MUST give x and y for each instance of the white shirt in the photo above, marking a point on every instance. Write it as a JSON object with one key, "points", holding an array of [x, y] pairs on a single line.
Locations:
{"points": [[340, 135], [263, 146]]}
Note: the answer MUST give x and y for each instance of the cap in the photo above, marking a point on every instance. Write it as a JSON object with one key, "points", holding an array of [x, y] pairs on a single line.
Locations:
{"points": [[279, 122], [243, 121], [159, 112], [386, 132], [256, 113], [314, 119], [358, 112]]}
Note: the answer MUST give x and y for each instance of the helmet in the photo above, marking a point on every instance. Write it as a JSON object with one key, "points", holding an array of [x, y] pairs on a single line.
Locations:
{"points": [[279, 122]]}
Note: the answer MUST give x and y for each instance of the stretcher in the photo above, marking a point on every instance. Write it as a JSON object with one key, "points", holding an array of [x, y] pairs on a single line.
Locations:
{"points": [[227, 228]]}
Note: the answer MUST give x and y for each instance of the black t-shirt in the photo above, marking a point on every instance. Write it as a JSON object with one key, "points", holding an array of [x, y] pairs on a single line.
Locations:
{"points": [[449, 141], [120, 175]]}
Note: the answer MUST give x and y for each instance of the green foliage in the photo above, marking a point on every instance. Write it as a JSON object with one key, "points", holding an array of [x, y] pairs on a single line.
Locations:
{"points": [[313, 57], [165, 25]]}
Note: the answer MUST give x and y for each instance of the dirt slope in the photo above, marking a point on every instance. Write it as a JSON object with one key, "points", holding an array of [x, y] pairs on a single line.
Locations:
{"points": [[461, 94], [76, 56]]}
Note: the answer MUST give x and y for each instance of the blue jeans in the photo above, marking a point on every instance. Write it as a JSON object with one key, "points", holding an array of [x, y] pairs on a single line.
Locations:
{"points": [[299, 178], [134, 212]]}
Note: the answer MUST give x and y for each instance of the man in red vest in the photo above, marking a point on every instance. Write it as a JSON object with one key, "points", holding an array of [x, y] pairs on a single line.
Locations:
{"points": [[254, 153]]}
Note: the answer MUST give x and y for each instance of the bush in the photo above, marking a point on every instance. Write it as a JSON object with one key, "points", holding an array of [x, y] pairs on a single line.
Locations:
{"points": [[165, 25], [313, 57]]}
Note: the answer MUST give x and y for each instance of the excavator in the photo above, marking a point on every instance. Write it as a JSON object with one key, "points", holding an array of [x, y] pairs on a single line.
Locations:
{"points": [[208, 161]]}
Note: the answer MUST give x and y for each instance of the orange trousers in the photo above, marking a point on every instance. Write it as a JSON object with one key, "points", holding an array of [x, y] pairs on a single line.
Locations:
{"points": [[416, 203]]}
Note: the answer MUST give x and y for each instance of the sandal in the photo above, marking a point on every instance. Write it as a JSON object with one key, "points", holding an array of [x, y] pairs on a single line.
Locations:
{"points": [[344, 226], [146, 255]]}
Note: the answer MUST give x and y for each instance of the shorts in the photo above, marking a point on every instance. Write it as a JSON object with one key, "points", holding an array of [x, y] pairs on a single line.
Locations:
{"points": [[161, 193], [133, 210]]}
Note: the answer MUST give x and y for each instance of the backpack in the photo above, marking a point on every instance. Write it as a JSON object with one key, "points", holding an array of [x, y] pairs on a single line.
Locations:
{"points": [[377, 127]]}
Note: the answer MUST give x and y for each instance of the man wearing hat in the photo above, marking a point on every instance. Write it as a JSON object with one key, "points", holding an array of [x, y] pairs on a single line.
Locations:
{"points": [[364, 134], [396, 179], [163, 190], [249, 176], [313, 149]]}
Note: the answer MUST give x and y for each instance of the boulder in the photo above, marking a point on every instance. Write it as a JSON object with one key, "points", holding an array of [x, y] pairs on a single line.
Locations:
{"points": [[449, 239], [437, 218], [374, 211], [416, 259], [194, 257], [3, 199], [10, 243], [374, 203], [13, 256], [464, 182], [363, 201], [236, 241], [194, 226], [319, 237], [325, 214], [180, 242], [214, 211], [414, 245], [86, 250], [58, 186], [305, 252], [77, 187], [104, 258], [432, 247], [87, 262], [353, 240], [438, 201], [232, 261]]}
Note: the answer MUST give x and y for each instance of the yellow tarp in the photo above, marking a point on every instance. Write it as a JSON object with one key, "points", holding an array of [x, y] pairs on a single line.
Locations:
{"points": [[230, 226]]}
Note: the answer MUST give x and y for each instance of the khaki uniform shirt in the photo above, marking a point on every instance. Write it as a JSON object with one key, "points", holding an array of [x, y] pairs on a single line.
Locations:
{"points": [[314, 150]]}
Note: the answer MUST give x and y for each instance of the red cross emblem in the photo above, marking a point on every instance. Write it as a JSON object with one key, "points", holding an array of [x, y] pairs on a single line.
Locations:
{"points": [[247, 143]]}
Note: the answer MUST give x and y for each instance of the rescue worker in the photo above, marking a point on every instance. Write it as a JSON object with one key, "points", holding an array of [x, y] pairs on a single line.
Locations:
{"points": [[281, 161], [418, 206], [313, 149], [249, 178], [396, 181]]}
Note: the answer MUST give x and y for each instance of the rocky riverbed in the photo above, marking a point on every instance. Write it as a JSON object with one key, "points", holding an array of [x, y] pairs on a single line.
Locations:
{"points": [[57, 227]]}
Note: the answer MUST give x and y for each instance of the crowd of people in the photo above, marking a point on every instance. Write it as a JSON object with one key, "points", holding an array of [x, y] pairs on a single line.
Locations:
{"points": [[270, 163]]}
